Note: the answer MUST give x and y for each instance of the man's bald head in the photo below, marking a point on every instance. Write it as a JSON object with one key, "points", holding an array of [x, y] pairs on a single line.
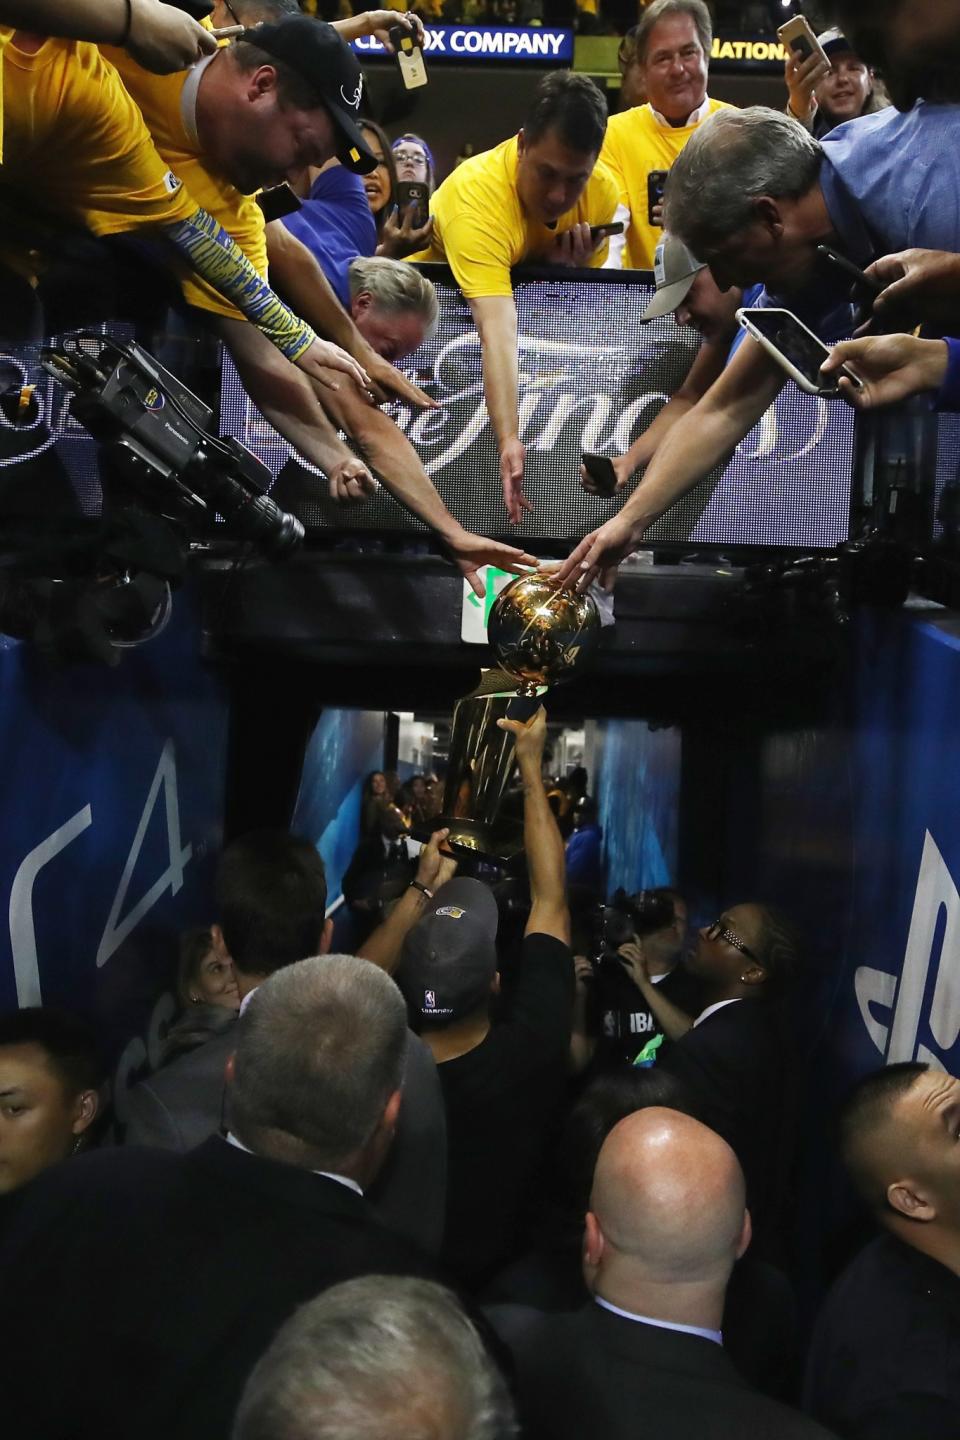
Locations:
{"points": [[900, 1141], [668, 1201]]}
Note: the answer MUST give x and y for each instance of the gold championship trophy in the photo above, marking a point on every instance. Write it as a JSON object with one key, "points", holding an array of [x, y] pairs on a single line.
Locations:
{"points": [[540, 636]]}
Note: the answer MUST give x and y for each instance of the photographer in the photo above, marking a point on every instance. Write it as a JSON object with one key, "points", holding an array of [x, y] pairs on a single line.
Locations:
{"points": [[823, 96], [643, 994]]}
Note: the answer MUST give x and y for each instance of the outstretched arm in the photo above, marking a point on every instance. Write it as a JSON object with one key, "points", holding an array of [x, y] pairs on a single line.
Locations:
{"points": [[674, 1021], [385, 945], [296, 273], [549, 913], [699, 441], [495, 317], [159, 37]]}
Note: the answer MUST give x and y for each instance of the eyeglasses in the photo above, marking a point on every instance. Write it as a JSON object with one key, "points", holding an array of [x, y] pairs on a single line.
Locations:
{"points": [[409, 157], [719, 931]]}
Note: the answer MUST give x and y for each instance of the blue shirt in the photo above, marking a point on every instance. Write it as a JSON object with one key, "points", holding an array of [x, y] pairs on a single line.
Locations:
{"points": [[889, 181], [336, 225]]}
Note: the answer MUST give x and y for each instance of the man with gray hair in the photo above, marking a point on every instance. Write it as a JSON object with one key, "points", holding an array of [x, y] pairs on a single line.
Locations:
{"points": [[754, 195], [182, 1267], [394, 307], [377, 1357], [671, 53]]}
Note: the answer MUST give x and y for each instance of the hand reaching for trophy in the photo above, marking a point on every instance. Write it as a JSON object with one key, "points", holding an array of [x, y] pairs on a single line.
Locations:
{"points": [[436, 866]]}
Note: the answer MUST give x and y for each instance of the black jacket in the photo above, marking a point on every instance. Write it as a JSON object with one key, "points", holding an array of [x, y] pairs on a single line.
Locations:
{"points": [[138, 1287], [594, 1374]]}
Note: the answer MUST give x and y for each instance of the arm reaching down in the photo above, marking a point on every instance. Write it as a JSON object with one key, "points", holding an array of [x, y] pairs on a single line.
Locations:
{"points": [[706, 368], [160, 37], [296, 273], [700, 440], [495, 317], [287, 399]]}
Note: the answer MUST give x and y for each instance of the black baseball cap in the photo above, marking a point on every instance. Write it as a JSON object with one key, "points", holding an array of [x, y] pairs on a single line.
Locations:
{"points": [[450, 956], [315, 50]]}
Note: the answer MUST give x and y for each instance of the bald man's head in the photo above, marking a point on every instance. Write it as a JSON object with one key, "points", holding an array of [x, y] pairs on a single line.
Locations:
{"points": [[900, 1140], [668, 1203]]}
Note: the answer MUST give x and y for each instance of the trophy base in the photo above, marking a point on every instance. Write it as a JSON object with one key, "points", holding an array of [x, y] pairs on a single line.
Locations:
{"points": [[499, 842]]}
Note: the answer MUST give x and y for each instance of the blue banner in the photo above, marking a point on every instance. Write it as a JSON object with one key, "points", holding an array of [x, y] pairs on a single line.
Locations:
{"points": [[538, 45]]}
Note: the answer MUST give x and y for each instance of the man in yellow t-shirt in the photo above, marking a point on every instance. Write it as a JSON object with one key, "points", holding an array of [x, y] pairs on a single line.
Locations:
{"points": [[241, 120], [532, 198], [159, 36], [672, 50]]}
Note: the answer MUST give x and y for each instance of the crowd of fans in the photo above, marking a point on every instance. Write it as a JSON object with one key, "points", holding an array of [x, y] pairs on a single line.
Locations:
{"points": [[525, 1163]]}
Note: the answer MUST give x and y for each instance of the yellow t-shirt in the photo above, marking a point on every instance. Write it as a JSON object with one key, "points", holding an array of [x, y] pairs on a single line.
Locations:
{"points": [[159, 99], [481, 229], [635, 144], [74, 139]]}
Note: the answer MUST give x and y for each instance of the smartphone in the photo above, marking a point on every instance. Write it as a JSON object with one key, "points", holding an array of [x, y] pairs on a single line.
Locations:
{"points": [[413, 72], [795, 349], [863, 288], [278, 201], [656, 180], [599, 232], [601, 472], [797, 35], [415, 193]]}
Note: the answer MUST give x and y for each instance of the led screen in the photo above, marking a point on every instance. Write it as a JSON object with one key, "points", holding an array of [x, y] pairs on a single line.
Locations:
{"points": [[593, 376]]}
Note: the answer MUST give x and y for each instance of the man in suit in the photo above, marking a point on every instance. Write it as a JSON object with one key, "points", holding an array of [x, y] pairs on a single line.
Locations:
{"points": [[885, 1358], [667, 1220], [138, 1288], [271, 899], [736, 1057]]}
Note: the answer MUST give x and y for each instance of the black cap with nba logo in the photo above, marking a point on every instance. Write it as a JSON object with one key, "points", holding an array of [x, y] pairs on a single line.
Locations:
{"points": [[450, 956], [315, 50]]}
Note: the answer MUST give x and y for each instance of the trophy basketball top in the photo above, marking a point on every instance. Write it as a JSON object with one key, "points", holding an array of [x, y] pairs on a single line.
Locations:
{"points": [[541, 634]]}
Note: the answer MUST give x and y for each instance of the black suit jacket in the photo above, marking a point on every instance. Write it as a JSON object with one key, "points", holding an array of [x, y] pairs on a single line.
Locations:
{"points": [[885, 1359], [138, 1287], [738, 1065], [593, 1375], [185, 1102]]}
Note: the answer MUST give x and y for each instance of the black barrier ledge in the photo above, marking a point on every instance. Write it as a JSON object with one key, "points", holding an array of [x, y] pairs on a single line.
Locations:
{"points": [[348, 621]]}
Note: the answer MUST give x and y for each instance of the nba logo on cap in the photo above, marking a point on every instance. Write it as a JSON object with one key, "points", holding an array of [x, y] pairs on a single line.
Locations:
{"points": [[429, 1000]]}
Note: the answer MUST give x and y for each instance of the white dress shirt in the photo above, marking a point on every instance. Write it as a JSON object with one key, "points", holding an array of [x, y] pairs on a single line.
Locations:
{"points": [[715, 1335]]}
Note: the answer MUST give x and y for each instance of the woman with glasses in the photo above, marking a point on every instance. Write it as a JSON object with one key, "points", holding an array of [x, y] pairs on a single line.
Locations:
{"points": [[414, 161], [397, 235]]}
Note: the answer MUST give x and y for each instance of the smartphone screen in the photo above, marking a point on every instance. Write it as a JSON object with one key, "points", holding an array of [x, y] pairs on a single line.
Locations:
{"points": [[804, 351]]}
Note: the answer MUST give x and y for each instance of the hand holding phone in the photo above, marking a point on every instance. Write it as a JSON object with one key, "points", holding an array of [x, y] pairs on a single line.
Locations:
{"points": [[600, 232], [656, 180], [797, 35], [409, 55], [414, 193], [795, 349], [601, 472]]}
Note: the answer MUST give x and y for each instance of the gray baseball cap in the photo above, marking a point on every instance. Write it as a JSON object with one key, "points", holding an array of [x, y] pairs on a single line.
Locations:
{"points": [[449, 958], [675, 269]]}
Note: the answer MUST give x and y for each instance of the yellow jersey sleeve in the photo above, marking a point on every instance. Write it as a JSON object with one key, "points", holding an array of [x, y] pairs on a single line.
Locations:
{"points": [[71, 128]]}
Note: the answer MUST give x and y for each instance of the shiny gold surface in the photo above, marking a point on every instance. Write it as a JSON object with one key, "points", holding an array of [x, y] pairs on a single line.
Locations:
{"points": [[540, 634]]}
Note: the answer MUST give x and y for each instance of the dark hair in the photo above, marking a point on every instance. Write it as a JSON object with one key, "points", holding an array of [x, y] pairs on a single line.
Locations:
{"points": [[195, 946], [391, 168], [866, 1107], [252, 12], [271, 900], [573, 107], [294, 91], [68, 1042], [604, 1103], [641, 914], [777, 948]]}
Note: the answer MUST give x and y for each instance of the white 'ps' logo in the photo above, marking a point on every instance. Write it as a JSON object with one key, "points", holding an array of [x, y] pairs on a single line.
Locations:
{"points": [[355, 102]]}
